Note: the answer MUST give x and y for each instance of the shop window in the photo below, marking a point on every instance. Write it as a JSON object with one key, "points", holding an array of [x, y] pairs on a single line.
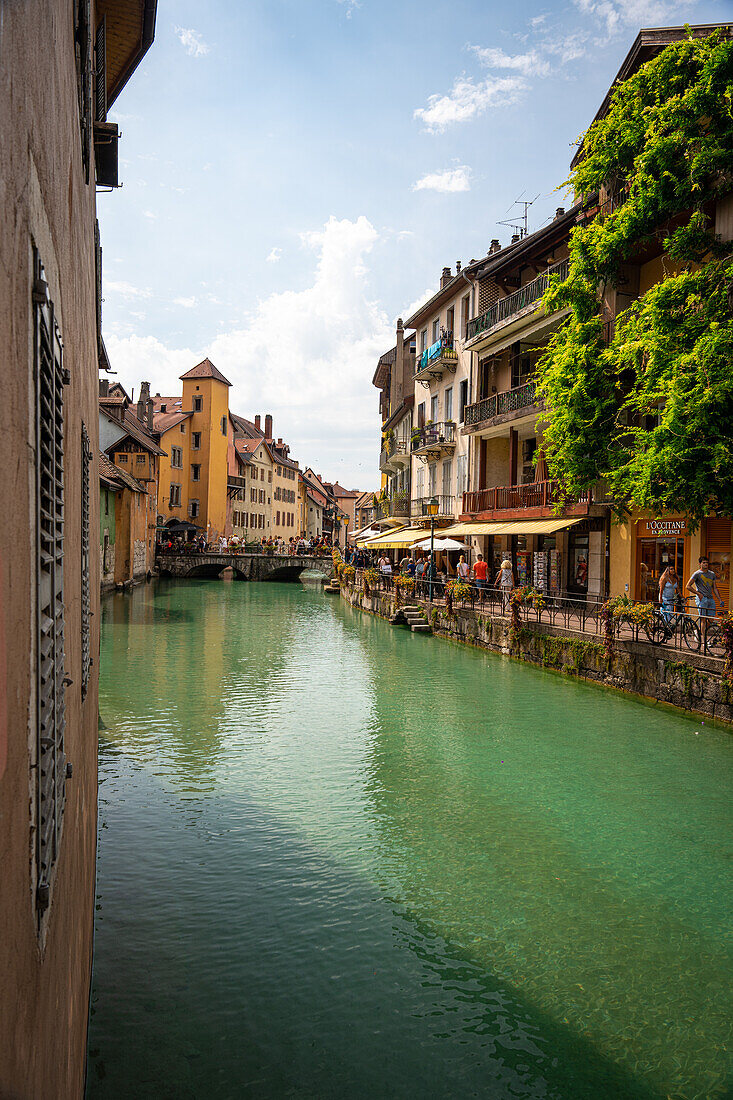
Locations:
{"points": [[578, 563]]}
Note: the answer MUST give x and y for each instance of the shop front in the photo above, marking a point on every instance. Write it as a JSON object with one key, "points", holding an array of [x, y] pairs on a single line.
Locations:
{"points": [[718, 548], [661, 543]]}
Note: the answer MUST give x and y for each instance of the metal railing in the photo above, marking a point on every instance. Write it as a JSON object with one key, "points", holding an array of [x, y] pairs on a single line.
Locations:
{"points": [[536, 494], [520, 397], [434, 435], [441, 349], [419, 506], [397, 506], [514, 303]]}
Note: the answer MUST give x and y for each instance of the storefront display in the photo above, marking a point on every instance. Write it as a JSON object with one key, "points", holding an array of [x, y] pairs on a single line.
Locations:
{"points": [[578, 563], [524, 565], [717, 548], [660, 543]]}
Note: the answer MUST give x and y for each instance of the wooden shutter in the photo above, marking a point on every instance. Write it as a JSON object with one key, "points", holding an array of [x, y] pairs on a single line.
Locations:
{"points": [[50, 685], [86, 603], [98, 282], [100, 72]]}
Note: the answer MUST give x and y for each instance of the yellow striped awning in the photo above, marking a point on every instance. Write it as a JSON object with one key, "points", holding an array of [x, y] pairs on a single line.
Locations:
{"points": [[397, 540], [509, 527]]}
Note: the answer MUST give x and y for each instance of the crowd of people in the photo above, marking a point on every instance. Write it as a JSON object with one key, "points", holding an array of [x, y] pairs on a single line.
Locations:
{"points": [[436, 572], [198, 544]]}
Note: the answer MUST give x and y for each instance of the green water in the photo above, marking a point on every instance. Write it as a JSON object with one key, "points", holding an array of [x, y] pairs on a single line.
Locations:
{"points": [[340, 860]]}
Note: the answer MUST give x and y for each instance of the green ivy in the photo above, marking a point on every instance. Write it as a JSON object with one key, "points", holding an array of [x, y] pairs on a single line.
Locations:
{"points": [[652, 411]]}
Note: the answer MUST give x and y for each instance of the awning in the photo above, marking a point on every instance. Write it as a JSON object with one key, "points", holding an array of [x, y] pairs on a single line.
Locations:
{"points": [[397, 540], [510, 527]]}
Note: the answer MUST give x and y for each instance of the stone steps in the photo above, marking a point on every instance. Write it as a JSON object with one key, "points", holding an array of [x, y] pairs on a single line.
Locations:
{"points": [[415, 619]]}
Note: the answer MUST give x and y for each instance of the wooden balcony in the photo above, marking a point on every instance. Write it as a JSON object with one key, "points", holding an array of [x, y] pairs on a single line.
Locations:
{"points": [[501, 408], [419, 507], [506, 309], [536, 500], [434, 441]]}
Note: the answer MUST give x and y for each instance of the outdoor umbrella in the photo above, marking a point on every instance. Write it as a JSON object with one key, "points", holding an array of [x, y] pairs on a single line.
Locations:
{"points": [[441, 544]]}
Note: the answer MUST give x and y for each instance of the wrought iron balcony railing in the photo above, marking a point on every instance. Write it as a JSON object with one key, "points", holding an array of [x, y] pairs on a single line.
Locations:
{"points": [[438, 356], [419, 506], [521, 397], [508, 307], [434, 436], [398, 506]]}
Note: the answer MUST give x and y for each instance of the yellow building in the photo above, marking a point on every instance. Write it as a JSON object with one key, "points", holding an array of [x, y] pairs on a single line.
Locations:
{"points": [[194, 434]]}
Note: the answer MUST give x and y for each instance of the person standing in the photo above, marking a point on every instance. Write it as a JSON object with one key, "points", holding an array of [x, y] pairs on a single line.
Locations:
{"points": [[703, 585], [463, 569], [669, 593], [480, 571], [505, 581]]}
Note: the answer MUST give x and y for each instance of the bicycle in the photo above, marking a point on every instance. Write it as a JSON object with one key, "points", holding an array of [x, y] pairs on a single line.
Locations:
{"points": [[665, 624]]}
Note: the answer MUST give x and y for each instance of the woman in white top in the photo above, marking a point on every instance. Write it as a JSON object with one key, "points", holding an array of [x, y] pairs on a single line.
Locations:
{"points": [[505, 580], [385, 565], [463, 569]]}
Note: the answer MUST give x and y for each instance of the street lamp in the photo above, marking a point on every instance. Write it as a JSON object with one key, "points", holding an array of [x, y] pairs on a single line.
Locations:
{"points": [[432, 512], [346, 534]]}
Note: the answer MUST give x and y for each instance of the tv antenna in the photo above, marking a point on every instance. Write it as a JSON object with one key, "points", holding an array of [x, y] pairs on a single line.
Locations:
{"points": [[519, 225]]}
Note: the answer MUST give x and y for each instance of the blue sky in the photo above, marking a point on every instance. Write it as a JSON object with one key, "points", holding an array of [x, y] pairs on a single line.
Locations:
{"points": [[297, 172]]}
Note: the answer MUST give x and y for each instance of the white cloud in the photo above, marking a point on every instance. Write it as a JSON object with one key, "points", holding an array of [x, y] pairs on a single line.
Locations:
{"points": [[447, 181], [419, 301], [185, 303], [191, 41], [616, 15], [315, 375], [529, 64], [274, 255], [468, 99], [126, 290], [149, 214], [351, 6]]}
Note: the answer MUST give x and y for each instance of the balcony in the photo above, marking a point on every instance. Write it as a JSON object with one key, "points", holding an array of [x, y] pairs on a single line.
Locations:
{"points": [[397, 507], [394, 456], [436, 360], [434, 441], [537, 499], [500, 407], [419, 507], [506, 309]]}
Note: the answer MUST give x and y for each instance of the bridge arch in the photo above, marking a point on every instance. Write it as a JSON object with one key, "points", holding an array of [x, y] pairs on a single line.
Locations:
{"points": [[213, 570]]}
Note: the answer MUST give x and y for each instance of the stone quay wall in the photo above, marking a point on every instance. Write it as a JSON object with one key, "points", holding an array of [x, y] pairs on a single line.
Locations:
{"points": [[690, 681]]}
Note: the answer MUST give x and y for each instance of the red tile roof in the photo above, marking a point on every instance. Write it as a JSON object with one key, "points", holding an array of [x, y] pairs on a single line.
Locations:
{"points": [[206, 369], [163, 422]]}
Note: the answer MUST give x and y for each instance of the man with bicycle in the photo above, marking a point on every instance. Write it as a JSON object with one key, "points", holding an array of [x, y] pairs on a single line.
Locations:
{"points": [[703, 585]]}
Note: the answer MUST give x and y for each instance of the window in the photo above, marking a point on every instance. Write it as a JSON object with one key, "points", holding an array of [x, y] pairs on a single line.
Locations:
{"points": [[423, 339], [175, 496], [253, 496], [465, 310], [269, 475], [448, 401], [277, 521], [223, 425], [463, 401], [449, 321], [193, 509], [183, 428], [279, 471], [198, 404], [262, 496], [163, 408], [195, 440], [176, 458], [50, 762], [122, 458], [461, 475], [83, 39], [86, 602], [436, 330], [253, 519], [244, 519], [195, 471], [421, 415], [139, 459], [261, 521], [262, 474], [434, 408], [432, 478]]}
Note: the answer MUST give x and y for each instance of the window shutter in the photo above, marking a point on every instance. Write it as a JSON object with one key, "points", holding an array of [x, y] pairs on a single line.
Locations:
{"points": [[50, 685], [86, 602], [84, 79], [100, 72], [98, 278]]}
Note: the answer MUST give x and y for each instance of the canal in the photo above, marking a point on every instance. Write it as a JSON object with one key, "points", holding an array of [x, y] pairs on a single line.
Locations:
{"points": [[340, 860]]}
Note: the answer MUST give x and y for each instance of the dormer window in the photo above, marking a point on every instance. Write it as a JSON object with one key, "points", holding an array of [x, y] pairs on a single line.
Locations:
{"points": [[163, 408]]}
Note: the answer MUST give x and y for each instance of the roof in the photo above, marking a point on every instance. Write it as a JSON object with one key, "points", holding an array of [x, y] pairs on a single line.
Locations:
{"points": [[365, 500], [134, 428], [117, 478], [401, 411], [339, 491], [247, 446], [649, 42], [130, 29], [163, 422], [450, 289], [205, 369], [170, 403], [381, 374], [246, 427], [560, 226], [115, 399]]}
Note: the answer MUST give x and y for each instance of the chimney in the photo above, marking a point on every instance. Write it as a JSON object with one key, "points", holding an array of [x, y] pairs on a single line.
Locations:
{"points": [[268, 427], [257, 422], [445, 277], [458, 267], [515, 238], [495, 246], [559, 212], [279, 442], [103, 387], [142, 402]]}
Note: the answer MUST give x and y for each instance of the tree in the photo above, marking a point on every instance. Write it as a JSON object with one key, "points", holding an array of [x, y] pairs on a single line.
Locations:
{"points": [[651, 411]]}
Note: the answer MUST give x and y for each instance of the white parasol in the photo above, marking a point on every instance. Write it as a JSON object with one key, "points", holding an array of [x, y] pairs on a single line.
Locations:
{"points": [[441, 544]]}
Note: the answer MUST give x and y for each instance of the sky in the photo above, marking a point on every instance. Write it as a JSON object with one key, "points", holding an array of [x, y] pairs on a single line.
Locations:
{"points": [[296, 174]]}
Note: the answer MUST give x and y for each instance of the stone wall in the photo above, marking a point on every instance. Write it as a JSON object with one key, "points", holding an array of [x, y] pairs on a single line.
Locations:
{"points": [[685, 680]]}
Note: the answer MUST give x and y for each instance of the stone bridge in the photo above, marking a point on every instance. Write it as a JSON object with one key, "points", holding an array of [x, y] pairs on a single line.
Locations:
{"points": [[248, 567]]}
